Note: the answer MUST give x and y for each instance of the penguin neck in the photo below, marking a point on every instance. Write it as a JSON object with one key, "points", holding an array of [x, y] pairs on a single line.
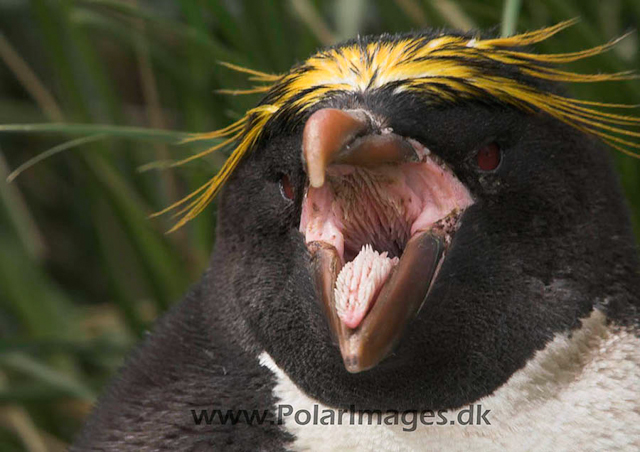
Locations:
{"points": [[579, 383]]}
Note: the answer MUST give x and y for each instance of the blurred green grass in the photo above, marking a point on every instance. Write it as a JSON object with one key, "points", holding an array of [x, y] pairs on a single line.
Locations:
{"points": [[83, 271]]}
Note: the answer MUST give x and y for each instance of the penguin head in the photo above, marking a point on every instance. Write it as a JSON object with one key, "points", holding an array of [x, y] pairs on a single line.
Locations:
{"points": [[407, 219]]}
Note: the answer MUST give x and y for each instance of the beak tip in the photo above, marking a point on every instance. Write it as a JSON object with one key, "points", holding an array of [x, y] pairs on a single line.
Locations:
{"points": [[316, 180], [351, 364], [326, 132]]}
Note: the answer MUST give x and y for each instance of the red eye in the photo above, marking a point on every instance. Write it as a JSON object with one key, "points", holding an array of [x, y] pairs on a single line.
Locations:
{"points": [[488, 157], [285, 187]]}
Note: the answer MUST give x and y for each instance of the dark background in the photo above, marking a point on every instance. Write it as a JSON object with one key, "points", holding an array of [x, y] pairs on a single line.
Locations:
{"points": [[83, 270]]}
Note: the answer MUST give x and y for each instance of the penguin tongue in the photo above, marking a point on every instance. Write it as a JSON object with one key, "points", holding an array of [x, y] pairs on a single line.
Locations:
{"points": [[359, 283]]}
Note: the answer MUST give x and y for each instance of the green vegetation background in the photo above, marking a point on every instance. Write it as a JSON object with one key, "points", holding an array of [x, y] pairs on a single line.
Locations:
{"points": [[83, 271]]}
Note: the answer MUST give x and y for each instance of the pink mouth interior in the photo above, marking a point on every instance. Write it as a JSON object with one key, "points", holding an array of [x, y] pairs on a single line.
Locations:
{"points": [[368, 214]]}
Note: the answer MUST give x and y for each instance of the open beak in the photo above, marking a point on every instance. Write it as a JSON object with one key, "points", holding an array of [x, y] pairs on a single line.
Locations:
{"points": [[378, 217]]}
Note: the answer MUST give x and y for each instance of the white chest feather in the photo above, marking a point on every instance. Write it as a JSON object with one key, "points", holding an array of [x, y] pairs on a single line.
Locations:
{"points": [[580, 393]]}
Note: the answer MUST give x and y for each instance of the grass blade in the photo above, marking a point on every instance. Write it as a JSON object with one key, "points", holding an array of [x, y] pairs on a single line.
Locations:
{"points": [[510, 14], [134, 133], [51, 152]]}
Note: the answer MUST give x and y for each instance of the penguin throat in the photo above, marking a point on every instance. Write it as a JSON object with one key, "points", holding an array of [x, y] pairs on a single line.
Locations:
{"points": [[368, 214]]}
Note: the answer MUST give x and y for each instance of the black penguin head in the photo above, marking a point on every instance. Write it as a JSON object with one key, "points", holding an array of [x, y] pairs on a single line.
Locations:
{"points": [[501, 222]]}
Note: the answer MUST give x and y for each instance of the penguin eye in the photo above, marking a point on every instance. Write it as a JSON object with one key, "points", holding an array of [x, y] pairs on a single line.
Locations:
{"points": [[285, 188], [488, 157]]}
